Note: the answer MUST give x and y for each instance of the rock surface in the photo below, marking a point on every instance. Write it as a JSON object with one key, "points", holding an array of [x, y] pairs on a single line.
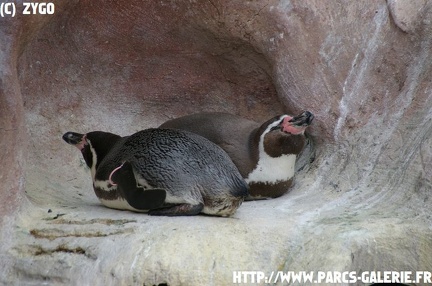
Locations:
{"points": [[363, 68]]}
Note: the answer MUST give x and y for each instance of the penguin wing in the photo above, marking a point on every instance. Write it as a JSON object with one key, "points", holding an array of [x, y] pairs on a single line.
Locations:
{"points": [[137, 197]]}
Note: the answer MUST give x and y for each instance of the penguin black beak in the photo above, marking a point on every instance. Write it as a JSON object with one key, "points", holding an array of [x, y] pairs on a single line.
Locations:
{"points": [[303, 119], [73, 138]]}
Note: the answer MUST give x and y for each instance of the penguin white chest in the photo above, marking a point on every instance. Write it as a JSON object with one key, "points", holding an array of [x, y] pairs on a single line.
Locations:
{"points": [[118, 203], [273, 170]]}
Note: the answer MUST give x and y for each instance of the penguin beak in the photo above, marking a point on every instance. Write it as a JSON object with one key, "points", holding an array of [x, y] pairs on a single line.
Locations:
{"points": [[75, 139], [302, 120], [297, 125]]}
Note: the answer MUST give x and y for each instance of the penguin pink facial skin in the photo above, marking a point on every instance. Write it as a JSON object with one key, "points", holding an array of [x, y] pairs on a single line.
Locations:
{"points": [[288, 127], [265, 154], [298, 124]]}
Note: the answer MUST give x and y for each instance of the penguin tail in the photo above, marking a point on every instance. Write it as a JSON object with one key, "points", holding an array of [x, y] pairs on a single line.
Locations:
{"points": [[240, 188]]}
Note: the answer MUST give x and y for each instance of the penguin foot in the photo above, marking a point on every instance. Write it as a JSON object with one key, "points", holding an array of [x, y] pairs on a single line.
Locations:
{"points": [[178, 210], [137, 197]]}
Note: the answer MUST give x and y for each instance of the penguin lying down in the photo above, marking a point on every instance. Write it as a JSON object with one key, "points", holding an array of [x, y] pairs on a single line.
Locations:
{"points": [[162, 171], [265, 154]]}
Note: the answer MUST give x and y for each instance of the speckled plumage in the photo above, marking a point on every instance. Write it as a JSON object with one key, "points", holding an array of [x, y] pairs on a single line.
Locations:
{"points": [[197, 175]]}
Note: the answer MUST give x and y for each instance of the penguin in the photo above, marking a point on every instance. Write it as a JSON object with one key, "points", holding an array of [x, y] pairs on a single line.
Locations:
{"points": [[265, 154], [161, 172]]}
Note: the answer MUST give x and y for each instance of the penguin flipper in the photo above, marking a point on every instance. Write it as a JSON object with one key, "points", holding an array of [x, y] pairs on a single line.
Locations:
{"points": [[137, 197], [178, 210]]}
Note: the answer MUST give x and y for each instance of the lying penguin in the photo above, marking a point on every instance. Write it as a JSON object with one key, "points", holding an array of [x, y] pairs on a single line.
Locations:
{"points": [[264, 154], [167, 172]]}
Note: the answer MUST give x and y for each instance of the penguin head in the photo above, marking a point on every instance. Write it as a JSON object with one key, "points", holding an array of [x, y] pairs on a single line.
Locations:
{"points": [[284, 134], [288, 124], [94, 146], [297, 124]]}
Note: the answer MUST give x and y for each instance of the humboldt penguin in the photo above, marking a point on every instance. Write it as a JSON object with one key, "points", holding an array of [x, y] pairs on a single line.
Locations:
{"points": [[265, 154], [162, 171]]}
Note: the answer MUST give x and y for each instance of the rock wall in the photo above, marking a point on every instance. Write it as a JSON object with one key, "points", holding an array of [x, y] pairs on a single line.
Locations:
{"points": [[363, 68]]}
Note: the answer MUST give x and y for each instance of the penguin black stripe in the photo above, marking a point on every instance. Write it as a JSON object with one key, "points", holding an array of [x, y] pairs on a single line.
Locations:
{"points": [[265, 154], [187, 173]]}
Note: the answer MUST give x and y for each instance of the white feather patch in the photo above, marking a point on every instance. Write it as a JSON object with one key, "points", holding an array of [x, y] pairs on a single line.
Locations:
{"points": [[119, 204], [269, 169], [104, 185]]}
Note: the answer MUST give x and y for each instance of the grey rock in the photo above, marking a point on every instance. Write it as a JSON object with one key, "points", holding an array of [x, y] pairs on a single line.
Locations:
{"points": [[363, 68]]}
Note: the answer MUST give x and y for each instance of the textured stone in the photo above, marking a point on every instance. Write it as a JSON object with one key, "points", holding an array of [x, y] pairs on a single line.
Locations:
{"points": [[363, 68], [409, 16]]}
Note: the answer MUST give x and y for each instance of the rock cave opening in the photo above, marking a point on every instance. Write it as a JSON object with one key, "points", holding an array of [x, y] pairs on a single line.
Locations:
{"points": [[87, 69]]}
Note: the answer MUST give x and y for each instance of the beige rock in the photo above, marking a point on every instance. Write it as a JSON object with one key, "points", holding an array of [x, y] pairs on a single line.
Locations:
{"points": [[363, 68], [409, 16]]}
